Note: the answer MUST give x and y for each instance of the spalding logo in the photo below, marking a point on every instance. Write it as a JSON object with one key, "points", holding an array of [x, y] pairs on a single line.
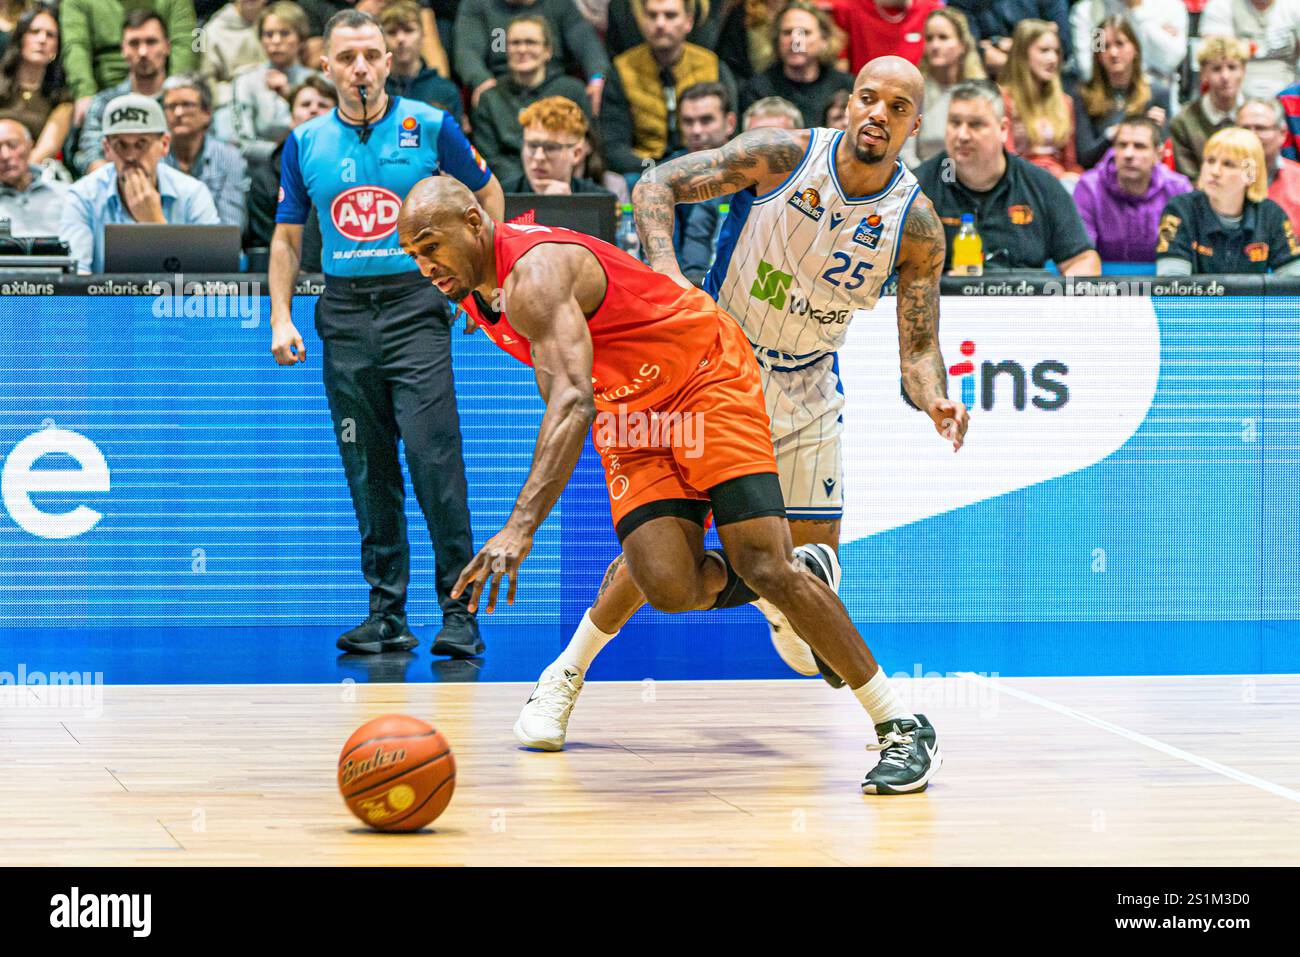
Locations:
{"points": [[365, 213]]}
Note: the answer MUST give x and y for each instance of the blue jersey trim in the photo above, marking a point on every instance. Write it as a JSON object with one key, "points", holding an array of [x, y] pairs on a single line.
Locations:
{"points": [[835, 177], [741, 204], [902, 223], [296, 204]]}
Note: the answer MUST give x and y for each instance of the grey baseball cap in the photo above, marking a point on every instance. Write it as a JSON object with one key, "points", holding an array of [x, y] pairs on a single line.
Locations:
{"points": [[133, 113]]}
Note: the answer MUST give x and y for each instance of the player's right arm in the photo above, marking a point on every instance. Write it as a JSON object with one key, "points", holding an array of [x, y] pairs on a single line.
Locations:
{"points": [[761, 158], [544, 296], [286, 256]]}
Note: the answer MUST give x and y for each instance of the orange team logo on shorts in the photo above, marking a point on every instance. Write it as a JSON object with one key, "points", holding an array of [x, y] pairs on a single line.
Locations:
{"points": [[1257, 252], [1020, 215]]}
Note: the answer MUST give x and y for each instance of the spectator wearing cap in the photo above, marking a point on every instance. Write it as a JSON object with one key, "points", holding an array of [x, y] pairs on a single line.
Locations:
{"points": [[257, 117], [481, 62], [1122, 198], [187, 106], [1024, 216], [31, 196], [1264, 118], [231, 41], [32, 86], [411, 77], [639, 119], [1271, 29], [772, 112], [1227, 225], [145, 49], [135, 186], [804, 71], [1222, 64], [94, 43], [554, 145], [497, 132]]}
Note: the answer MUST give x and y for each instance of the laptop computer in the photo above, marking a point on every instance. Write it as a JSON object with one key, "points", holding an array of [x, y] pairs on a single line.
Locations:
{"points": [[590, 213], [170, 248]]}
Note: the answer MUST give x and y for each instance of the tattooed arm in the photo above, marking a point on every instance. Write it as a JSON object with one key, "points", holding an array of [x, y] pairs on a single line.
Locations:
{"points": [[921, 254], [761, 158]]}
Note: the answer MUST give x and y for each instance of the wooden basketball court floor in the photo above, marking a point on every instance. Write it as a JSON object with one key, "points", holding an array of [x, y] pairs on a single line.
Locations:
{"points": [[1112, 770]]}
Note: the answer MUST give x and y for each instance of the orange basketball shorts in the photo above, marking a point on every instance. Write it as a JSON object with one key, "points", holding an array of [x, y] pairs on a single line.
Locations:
{"points": [[713, 429]]}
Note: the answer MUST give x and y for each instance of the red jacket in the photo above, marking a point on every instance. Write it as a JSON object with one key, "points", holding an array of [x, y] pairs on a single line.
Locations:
{"points": [[872, 34]]}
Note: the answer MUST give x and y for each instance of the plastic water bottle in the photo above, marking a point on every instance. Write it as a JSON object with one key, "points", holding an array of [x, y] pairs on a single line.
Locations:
{"points": [[627, 238], [967, 249]]}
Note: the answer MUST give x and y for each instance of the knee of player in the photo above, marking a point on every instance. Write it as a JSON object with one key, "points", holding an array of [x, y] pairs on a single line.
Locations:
{"points": [[770, 574], [670, 593]]}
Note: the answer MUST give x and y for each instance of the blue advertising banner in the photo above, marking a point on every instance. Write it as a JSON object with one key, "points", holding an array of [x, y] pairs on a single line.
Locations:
{"points": [[173, 504]]}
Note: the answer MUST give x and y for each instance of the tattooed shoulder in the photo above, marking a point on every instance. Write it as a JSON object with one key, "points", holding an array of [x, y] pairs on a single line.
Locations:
{"points": [[923, 243]]}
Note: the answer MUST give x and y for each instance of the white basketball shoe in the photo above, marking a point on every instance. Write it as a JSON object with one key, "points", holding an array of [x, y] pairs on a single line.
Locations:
{"points": [[794, 651], [544, 721]]}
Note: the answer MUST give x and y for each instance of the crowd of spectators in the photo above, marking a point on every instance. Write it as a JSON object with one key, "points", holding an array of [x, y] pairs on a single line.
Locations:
{"points": [[1154, 132]]}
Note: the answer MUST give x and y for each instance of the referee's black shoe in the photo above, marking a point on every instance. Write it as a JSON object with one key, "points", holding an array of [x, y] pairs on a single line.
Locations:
{"points": [[459, 637], [378, 633]]}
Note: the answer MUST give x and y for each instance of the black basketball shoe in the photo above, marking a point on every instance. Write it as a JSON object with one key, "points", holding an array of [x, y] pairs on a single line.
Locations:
{"points": [[459, 636], [377, 634], [911, 757]]}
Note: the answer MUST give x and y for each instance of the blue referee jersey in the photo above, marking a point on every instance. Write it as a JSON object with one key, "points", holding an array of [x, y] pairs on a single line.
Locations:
{"points": [[358, 188]]}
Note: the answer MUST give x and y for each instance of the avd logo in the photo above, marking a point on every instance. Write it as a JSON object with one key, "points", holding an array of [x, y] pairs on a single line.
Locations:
{"points": [[365, 213]]}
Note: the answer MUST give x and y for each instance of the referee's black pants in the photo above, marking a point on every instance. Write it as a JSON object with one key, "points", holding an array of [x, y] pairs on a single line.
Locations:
{"points": [[388, 375]]}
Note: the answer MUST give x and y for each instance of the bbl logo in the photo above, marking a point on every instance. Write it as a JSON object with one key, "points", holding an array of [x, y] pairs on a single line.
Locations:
{"points": [[409, 134], [365, 213], [868, 232], [809, 202]]}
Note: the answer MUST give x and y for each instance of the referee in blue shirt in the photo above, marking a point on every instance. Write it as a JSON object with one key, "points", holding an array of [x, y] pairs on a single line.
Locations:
{"points": [[386, 329]]}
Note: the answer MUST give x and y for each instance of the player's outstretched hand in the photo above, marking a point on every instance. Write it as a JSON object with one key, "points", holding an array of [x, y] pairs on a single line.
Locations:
{"points": [[499, 559], [286, 344], [950, 420]]}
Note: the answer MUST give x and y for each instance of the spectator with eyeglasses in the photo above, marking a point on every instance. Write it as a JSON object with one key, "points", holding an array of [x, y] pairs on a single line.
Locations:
{"points": [[554, 145], [528, 79], [187, 107], [1266, 120]]}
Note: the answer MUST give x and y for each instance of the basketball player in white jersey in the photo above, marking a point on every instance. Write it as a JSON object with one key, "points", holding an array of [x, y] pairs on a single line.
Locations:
{"points": [[819, 221]]}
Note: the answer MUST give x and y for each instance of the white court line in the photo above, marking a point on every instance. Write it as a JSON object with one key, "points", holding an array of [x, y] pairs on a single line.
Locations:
{"points": [[1239, 776]]}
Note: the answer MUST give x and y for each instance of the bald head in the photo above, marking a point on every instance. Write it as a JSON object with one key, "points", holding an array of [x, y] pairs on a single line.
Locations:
{"points": [[884, 110], [448, 234], [893, 70]]}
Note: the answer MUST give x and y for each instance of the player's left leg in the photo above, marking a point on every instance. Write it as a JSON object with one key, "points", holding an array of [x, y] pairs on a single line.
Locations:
{"points": [[757, 544]]}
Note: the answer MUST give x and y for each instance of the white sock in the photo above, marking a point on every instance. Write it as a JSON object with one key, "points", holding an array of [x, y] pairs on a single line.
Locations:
{"points": [[881, 700], [584, 646]]}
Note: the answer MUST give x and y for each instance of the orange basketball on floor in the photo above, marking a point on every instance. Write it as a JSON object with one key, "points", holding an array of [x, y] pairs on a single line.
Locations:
{"points": [[397, 773]]}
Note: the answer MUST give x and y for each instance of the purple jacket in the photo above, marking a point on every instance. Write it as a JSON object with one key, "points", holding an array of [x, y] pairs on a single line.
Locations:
{"points": [[1123, 228]]}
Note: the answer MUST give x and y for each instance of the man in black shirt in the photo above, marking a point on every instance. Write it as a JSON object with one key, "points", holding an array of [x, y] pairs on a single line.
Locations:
{"points": [[411, 78], [1023, 215], [554, 143], [802, 72]]}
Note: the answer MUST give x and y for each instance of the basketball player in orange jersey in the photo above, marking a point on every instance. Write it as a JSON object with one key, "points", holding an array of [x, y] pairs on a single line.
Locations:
{"points": [[819, 219], [608, 336]]}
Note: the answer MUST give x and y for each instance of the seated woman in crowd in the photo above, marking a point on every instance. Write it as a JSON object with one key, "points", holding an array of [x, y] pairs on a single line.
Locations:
{"points": [[950, 57], [257, 117], [1119, 87], [1040, 111], [313, 97], [1227, 224], [32, 87]]}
